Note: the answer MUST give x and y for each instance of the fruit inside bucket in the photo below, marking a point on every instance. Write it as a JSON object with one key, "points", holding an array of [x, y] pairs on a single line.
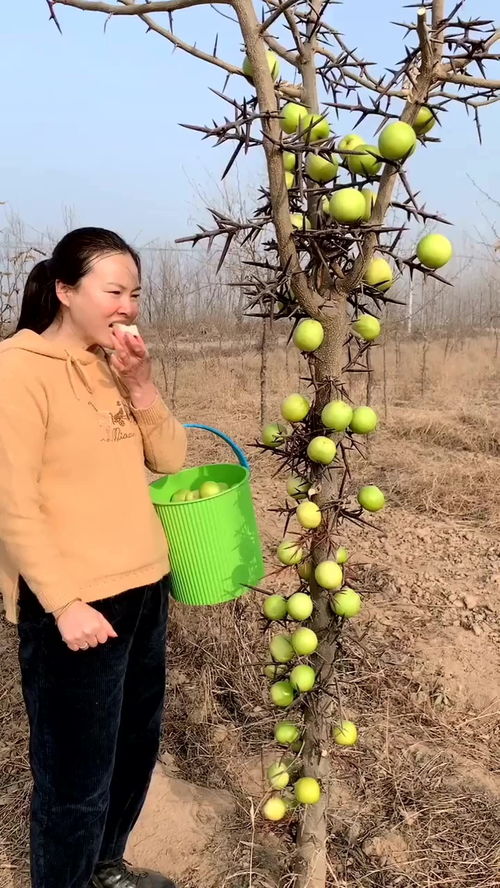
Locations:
{"points": [[163, 491]]}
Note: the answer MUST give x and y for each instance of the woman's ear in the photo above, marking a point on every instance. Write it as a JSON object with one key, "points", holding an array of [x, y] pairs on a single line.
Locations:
{"points": [[63, 293]]}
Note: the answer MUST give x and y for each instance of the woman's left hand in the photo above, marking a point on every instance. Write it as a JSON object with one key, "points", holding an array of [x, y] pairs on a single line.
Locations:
{"points": [[132, 362]]}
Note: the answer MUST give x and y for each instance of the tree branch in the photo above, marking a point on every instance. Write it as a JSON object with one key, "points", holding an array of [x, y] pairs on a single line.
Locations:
{"points": [[369, 84], [268, 106], [423, 36], [438, 15], [284, 53], [419, 93], [132, 8], [292, 22], [279, 11], [467, 80]]}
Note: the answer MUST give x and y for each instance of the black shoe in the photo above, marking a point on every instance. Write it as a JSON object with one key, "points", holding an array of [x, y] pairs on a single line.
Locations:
{"points": [[120, 875]]}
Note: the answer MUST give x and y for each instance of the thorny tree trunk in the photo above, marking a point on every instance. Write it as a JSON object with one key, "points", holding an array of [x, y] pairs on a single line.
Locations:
{"points": [[327, 374]]}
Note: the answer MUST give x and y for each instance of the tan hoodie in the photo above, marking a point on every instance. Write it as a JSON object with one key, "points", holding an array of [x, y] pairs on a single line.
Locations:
{"points": [[76, 520]]}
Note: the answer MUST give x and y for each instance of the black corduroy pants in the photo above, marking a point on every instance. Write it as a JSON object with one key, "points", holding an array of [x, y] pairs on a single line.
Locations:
{"points": [[95, 719]]}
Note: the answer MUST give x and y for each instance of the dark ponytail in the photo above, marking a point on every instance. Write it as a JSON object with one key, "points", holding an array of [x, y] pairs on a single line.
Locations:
{"points": [[40, 304], [71, 260]]}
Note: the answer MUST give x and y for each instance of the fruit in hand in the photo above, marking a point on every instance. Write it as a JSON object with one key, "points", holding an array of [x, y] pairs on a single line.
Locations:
{"points": [[131, 329]]}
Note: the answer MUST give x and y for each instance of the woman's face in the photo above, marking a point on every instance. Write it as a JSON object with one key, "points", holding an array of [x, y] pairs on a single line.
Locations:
{"points": [[107, 294]]}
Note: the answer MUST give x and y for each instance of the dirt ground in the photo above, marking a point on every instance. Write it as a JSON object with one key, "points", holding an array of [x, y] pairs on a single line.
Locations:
{"points": [[417, 801]]}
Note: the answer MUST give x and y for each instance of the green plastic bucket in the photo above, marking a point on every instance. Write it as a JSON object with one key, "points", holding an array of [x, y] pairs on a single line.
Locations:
{"points": [[214, 545]]}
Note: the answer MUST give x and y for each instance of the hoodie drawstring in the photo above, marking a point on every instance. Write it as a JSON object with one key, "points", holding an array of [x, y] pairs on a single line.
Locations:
{"points": [[122, 388], [73, 366]]}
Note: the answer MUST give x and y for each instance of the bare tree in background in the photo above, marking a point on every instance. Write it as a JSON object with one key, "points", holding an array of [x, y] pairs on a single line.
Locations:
{"points": [[319, 273], [16, 259]]}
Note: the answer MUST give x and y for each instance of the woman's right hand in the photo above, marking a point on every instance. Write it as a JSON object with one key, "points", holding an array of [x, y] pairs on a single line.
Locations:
{"points": [[82, 626]]}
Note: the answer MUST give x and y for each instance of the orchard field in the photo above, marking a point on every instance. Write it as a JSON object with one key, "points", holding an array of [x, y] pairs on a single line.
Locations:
{"points": [[417, 801]]}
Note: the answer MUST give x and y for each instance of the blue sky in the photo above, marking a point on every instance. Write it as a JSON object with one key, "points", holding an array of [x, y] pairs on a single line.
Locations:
{"points": [[90, 120]]}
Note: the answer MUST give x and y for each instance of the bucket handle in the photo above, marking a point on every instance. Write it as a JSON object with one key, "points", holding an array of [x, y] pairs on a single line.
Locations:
{"points": [[233, 445]]}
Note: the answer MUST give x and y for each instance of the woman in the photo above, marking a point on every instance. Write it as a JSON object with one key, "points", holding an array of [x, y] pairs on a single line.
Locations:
{"points": [[83, 559]]}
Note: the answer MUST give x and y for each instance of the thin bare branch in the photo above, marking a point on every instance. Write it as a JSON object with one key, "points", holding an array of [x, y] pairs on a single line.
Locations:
{"points": [[423, 36], [279, 11], [468, 80], [291, 57], [132, 8], [53, 17], [349, 74]]}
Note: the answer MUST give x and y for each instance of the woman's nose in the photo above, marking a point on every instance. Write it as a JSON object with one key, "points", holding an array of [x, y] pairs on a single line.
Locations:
{"points": [[128, 306]]}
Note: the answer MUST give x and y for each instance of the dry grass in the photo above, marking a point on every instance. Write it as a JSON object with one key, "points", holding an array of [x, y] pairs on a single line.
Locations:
{"points": [[417, 803]]}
